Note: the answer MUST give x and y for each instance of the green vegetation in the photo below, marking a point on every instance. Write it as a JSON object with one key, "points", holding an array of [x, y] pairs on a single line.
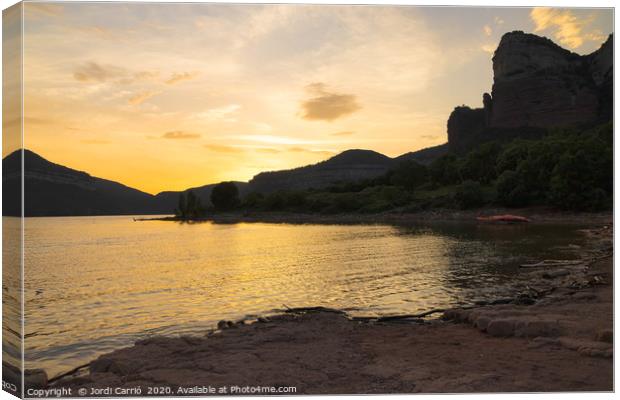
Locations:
{"points": [[225, 196], [189, 207], [566, 169]]}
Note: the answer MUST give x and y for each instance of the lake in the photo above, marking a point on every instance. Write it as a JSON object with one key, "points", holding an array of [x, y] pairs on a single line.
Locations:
{"points": [[95, 284]]}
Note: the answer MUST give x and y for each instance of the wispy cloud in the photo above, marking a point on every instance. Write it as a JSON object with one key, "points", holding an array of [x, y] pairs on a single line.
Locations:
{"points": [[94, 72], [312, 151], [489, 48], [565, 26], [220, 113], [180, 77], [326, 105], [488, 31], [141, 97], [180, 135], [342, 133]]}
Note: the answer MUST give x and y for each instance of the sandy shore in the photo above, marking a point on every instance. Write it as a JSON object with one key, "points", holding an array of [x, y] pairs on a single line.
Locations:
{"points": [[556, 337]]}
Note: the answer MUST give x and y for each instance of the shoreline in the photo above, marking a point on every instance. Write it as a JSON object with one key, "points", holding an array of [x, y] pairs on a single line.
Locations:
{"points": [[534, 340], [537, 215]]}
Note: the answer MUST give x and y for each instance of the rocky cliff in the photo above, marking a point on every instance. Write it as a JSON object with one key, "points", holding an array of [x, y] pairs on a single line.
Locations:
{"points": [[537, 85]]}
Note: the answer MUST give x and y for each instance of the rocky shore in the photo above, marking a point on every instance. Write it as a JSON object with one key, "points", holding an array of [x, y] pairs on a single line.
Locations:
{"points": [[555, 336]]}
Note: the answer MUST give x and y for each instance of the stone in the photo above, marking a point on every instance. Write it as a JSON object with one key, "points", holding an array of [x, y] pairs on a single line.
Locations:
{"points": [[605, 335], [116, 367], [537, 328], [482, 322], [501, 327], [555, 274]]}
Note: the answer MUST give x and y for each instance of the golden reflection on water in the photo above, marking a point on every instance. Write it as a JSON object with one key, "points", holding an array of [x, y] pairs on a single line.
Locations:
{"points": [[94, 284]]}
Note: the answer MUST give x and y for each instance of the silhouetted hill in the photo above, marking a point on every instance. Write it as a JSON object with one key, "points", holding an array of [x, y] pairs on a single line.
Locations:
{"points": [[424, 156], [54, 190], [348, 166]]}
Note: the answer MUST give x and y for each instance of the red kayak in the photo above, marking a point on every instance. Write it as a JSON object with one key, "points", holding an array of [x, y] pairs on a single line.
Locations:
{"points": [[504, 218]]}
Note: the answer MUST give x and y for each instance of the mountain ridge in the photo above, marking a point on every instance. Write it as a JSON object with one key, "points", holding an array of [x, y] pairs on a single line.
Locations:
{"points": [[52, 189]]}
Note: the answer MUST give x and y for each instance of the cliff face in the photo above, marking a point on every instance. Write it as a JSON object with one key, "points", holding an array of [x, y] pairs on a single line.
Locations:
{"points": [[537, 84]]}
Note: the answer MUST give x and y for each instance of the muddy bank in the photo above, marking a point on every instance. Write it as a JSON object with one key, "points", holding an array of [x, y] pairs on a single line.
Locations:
{"points": [[556, 337], [539, 215]]}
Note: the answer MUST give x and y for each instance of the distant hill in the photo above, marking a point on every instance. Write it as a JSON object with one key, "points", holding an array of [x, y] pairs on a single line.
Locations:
{"points": [[54, 190], [348, 166], [425, 156]]}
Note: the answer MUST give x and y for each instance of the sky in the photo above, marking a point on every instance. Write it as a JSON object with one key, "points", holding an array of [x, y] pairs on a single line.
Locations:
{"points": [[170, 96]]}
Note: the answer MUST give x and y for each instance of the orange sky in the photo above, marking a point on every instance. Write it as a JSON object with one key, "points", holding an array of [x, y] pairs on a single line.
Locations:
{"points": [[169, 96]]}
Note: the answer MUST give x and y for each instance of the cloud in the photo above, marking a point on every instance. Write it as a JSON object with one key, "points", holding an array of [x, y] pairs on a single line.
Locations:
{"points": [[220, 113], [489, 48], [218, 148], [498, 21], [487, 30], [268, 150], [563, 24], [180, 77], [342, 133], [304, 150], [93, 72], [141, 97], [326, 105], [180, 135]]}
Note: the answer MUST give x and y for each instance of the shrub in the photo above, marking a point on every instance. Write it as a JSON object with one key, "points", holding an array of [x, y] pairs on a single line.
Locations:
{"points": [[225, 196], [469, 195]]}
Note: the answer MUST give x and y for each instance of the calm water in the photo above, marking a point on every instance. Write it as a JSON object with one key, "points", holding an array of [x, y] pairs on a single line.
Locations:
{"points": [[94, 284]]}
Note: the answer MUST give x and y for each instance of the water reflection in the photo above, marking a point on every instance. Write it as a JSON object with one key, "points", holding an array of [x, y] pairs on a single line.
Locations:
{"points": [[95, 284]]}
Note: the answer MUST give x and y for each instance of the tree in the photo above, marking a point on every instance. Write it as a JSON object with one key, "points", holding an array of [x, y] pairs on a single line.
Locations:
{"points": [[225, 196], [190, 206], [479, 164], [444, 170], [469, 195], [511, 191], [409, 175]]}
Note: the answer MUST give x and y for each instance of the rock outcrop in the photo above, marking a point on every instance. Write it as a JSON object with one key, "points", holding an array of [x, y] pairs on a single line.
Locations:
{"points": [[537, 85]]}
